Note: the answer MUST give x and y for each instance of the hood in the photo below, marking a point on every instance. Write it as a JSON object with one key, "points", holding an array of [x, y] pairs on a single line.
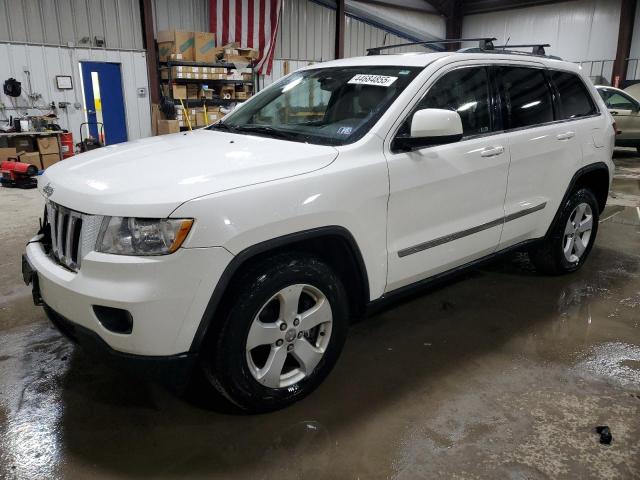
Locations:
{"points": [[153, 176]]}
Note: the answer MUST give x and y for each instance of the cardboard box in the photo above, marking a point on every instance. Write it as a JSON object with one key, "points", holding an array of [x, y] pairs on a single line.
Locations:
{"points": [[241, 95], [201, 119], [168, 126], [227, 92], [176, 56], [30, 157], [249, 53], [179, 91], [47, 145], [205, 47], [175, 42], [22, 144], [207, 93], [6, 153], [49, 159], [193, 92]]}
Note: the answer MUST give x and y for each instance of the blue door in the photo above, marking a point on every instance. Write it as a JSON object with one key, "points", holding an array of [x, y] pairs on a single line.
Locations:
{"points": [[103, 97]]}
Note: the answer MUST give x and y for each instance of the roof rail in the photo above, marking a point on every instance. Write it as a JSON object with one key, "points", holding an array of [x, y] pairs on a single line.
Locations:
{"points": [[538, 48], [485, 43]]}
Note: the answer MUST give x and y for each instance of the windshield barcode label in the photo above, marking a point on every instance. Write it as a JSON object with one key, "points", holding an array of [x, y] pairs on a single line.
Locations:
{"points": [[379, 80]]}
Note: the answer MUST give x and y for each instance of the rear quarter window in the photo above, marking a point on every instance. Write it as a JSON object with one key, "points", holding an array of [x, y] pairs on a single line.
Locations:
{"points": [[575, 100]]}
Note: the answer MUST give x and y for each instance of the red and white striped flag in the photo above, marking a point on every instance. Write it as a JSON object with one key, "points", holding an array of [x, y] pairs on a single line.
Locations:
{"points": [[251, 23]]}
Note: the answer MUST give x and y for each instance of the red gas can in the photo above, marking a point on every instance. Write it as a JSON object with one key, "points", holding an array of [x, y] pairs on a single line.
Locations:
{"points": [[66, 141]]}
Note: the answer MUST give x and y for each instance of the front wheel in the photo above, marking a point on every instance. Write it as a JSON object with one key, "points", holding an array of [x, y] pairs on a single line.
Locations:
{"points": [[568, 244], [281, 335]]}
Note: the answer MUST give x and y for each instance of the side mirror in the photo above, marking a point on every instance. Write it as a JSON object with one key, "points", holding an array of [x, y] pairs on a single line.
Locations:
{"points": [[431, 126]]}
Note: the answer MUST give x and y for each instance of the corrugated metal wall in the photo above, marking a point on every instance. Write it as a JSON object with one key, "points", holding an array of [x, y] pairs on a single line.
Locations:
{"points": [[307, 32], [191, 15], [578, 30], [359, 36], [45, 62], [60, 22]]}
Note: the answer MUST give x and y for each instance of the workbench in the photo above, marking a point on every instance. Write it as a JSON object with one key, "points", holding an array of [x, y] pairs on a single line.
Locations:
{"points": [[34, 135]]}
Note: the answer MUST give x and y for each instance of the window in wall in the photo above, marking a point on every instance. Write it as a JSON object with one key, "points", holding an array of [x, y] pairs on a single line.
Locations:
{"points": [[526, 98], [575, 100]]}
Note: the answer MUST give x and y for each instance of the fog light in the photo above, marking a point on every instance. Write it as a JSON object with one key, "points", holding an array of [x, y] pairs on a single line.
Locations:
{"points": [[113, 319]]}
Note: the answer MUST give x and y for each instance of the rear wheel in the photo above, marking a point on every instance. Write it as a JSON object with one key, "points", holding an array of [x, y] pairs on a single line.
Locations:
{"points": [[281, 335], [569, 242]]}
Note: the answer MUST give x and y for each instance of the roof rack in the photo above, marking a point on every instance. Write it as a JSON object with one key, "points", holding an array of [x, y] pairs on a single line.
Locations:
{"points": [[537, 48], [485, 43]]}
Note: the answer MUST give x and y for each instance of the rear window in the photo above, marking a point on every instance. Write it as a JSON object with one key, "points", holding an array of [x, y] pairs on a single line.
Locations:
{"points": [[575, 100], [525, 95]]}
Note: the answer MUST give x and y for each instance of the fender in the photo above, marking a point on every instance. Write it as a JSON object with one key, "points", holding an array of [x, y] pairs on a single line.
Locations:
{"points": [[572, 183], [251, 252]]}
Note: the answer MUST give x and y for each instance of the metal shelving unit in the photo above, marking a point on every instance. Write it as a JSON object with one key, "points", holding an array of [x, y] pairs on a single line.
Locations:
{"points": [[192, 103]]}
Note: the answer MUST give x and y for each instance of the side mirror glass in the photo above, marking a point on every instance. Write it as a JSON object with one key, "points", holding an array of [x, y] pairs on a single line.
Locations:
{"points": [[429, 127]]}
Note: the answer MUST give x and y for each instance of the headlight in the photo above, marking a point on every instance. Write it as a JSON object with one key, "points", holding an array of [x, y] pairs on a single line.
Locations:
{"points": [[142, 236]]}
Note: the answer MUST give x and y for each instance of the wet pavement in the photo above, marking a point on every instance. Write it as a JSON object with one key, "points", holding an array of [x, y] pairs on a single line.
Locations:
{"points": [[501, 374]]}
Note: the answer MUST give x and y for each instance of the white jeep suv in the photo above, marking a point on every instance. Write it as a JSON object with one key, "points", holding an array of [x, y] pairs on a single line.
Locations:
{"points": [[240, 251]]}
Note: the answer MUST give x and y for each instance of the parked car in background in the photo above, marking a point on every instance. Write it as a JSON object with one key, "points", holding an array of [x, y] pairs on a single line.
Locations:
{"points": [[634, 91], [625, 110]]}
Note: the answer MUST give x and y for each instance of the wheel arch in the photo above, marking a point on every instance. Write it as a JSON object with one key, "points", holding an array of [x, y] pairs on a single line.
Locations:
{"points": [[334, 244], [595, 177]]}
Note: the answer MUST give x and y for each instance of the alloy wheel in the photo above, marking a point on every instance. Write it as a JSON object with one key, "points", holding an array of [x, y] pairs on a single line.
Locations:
{"points": [[577, 232], [289, 336]]}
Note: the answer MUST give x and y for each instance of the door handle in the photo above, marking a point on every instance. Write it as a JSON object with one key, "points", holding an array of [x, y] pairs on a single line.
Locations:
{"points": [[492, 151], [613, 112], [566, 135]]}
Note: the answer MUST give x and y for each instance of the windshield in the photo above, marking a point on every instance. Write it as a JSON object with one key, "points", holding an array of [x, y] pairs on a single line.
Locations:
{"points": [[325, 106]]}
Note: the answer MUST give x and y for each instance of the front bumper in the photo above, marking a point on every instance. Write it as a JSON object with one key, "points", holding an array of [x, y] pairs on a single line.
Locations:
{"points": [[166, 295], [173, 371]]}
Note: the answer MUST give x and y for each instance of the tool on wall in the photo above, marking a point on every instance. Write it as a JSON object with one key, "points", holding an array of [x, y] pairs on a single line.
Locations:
{"points": [[12, 88]]}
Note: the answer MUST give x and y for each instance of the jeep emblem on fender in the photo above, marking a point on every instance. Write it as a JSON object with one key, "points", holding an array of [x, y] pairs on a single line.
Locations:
{"points": [[48, 190]]}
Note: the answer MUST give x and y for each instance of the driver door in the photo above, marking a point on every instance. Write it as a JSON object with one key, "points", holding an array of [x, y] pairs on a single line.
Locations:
{"points": [[446, 204]]}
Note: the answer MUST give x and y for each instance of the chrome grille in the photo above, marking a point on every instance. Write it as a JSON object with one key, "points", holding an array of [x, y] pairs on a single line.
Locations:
{"points": [[72, 234]]}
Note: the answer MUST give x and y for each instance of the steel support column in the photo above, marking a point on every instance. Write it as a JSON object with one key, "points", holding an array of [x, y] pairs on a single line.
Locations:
{"points": [[149, 41], [625, 34], [340, 27]]}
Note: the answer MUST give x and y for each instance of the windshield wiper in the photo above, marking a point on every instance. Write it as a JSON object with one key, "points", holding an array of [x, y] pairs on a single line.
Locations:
{"points": [[222, 126], [267, 130]]}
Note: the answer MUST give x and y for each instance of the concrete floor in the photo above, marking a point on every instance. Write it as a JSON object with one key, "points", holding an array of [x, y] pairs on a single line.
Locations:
{"points": [[503, 374]]}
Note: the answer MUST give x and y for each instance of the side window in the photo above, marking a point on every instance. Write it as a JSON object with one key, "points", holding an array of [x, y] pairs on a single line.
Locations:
{"points": [[465, 91], [575, 100], [619, 101], [526, 98]]}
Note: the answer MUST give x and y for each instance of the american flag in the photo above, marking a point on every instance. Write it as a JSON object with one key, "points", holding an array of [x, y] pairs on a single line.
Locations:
{"points": [[251, 23]]}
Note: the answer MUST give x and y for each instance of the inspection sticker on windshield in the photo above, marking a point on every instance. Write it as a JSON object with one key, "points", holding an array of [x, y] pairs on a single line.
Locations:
{"points": [[366, 79]]}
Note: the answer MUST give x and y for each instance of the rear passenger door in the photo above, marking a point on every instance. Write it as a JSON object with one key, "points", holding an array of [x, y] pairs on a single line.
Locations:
{"points": [[545, 152], [446, 201]]}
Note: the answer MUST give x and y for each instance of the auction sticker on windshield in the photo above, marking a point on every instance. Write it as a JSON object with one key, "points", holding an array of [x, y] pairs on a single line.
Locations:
{"points": [[366, 79]]}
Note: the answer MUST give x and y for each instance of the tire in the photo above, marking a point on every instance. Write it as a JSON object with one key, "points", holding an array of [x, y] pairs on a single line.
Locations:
{"points": [[236, 359], [564, 250]]}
